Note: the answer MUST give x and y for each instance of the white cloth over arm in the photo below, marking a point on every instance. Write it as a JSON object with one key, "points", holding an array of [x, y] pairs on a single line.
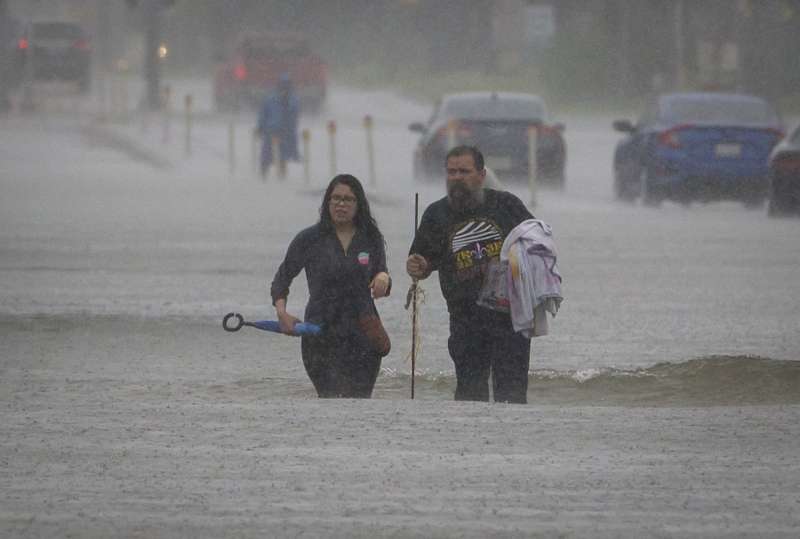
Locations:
{"points": [[534, 282]]}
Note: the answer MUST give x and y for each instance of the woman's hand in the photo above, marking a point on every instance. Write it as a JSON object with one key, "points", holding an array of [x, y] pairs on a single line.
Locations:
{"points": [[380, 284], [287, 322]]}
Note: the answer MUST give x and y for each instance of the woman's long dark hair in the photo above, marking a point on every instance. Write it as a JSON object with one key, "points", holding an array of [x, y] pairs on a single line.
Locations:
{"points": [[363, 219]]}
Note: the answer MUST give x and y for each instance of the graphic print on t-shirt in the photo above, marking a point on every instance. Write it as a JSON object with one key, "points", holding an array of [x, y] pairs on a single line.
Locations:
{"points": [[473, 244]]}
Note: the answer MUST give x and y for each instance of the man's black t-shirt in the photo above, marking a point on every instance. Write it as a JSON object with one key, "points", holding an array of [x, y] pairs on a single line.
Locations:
{"points": [[460, 244]]}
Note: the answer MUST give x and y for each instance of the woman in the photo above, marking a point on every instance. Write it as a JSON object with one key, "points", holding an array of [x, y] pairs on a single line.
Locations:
{"points": [[345, 259]]}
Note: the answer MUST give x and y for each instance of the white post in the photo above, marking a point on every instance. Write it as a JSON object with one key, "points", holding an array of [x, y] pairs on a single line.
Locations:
{"points": [[114, 99], [307, 155], [103, 95], [254, 147], [124, 99], [370, 150], [451, 134], [166, 105], [188, 105], [277, 162], [680, 68], [141, 110], [332, 136], [533, 164], [231, 147]]}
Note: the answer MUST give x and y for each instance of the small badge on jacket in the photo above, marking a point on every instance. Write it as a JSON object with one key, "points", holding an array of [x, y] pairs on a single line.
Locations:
{"points": [[363, 258]]}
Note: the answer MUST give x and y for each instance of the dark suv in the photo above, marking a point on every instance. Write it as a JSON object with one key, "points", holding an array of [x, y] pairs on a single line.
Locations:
{"points": [[55, 51]]}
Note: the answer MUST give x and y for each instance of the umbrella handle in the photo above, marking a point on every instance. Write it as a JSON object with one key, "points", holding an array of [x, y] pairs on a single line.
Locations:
{"points": [[239, 322]]}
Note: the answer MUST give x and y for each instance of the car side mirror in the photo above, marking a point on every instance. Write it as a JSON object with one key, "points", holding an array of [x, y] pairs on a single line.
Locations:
{"points": [[417, 127], [624, 126]]}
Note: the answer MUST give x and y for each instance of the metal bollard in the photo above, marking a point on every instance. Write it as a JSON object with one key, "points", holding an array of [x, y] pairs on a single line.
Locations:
{"points": [[307, 155], [114, 99], [166, 106], [533, 164], [124, 99], [119, 100], [370, 150], [332, 137], [144, 116], [231, 147], [451, 134], [278, 162], [103, 95], [187, 101], [254, 157]]}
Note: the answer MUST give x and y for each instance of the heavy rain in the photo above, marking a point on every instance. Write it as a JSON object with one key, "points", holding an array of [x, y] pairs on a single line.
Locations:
{"points": [[663, 402]]}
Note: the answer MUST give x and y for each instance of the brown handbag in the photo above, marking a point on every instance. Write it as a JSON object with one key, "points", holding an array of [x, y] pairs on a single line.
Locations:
{"points": [[372, 328]]}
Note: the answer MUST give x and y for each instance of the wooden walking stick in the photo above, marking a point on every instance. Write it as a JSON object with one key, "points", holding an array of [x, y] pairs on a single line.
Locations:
{"points": [[414, 305]]}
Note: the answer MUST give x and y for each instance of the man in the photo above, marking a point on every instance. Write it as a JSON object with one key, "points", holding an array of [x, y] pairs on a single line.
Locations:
{"points": [[458, 236], [278, 118]]}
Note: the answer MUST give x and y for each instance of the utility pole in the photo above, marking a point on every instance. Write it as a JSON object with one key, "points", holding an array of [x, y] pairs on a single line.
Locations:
{"points": [[680, 47], [5, 56], [152, 69], [151, 11], [103, 32], [621, 23]]}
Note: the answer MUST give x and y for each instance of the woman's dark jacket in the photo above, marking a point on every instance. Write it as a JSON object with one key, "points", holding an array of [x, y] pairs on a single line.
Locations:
{"points": [[338, 281]]}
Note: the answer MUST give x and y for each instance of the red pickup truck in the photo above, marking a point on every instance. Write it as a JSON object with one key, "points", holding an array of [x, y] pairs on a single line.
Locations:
{"points": [[256, 63]]}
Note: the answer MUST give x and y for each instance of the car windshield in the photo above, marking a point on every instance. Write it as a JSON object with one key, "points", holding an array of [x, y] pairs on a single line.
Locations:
{"points": [[500, 108], [56, 30], [720, 111]]}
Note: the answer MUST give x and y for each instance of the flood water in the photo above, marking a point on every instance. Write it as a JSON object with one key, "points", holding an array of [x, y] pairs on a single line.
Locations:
{"points": [[120, 227]]}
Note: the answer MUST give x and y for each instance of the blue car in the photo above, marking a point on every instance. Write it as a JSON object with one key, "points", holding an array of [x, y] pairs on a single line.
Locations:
{"points": [[697, 146], [784, 168]]}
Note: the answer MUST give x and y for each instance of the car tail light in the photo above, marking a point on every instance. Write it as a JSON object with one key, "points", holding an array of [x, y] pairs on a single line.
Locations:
{"points": [[546, 130], [240, 72], [22, 44], [671, 137], [82, 44], [789, 164], [779, 134]]}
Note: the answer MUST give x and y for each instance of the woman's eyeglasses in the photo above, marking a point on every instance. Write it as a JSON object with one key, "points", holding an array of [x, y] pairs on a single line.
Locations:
{"points": [[346, 200]]}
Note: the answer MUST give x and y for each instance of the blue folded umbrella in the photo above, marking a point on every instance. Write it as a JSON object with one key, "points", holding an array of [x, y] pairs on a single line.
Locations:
{"points": [[300, 328]]}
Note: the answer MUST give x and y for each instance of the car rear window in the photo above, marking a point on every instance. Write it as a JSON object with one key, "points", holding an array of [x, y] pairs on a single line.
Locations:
{"points": [[255, 49], [57, 30], [720, 111], [495, 109]]}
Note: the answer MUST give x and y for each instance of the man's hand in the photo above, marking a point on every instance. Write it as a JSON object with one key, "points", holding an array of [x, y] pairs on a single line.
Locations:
{"points": [[418, 267], [380, 285]]}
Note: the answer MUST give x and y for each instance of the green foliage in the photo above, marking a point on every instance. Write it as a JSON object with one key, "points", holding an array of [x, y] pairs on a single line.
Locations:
{"points": [[577, 69]]}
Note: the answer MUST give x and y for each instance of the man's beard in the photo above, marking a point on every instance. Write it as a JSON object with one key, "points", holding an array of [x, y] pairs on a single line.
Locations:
{"points": [[462, 198]]}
